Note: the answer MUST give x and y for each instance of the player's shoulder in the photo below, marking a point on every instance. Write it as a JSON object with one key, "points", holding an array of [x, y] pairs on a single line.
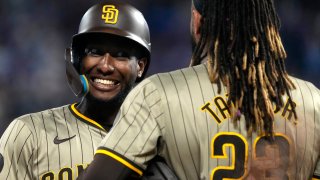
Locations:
{"points": [[201, 68], [186, 73], [306, 90], [304, 84], [36, 119], [170, 80], [40, 114]]}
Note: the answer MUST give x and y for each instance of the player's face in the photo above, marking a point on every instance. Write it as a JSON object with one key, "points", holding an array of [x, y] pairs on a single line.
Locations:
{"points": [[192, 29], [193, 41], [111, 69]]}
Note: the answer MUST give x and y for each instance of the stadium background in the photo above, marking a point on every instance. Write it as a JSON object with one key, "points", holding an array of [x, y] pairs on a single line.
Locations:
{"points": [[34, 34]]}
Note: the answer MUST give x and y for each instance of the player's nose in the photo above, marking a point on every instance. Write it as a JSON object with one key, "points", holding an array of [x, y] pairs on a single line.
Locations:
{"points": [[106, 64]]}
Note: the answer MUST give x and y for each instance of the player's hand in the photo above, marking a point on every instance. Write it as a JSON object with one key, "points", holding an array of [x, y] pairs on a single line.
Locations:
{"points": [[158, 170]]}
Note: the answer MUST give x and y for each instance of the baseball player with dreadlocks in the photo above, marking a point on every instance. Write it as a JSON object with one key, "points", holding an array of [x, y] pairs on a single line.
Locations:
{"points": [[111, 52], [234, 114]]}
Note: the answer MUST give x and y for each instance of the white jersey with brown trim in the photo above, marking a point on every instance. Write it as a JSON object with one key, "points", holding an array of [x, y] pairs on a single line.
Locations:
{"points": [[181, 116], [55, 144]]}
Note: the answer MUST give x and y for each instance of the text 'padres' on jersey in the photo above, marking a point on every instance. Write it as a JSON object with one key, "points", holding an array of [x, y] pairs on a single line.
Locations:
{"points": [[55, 144], [181, 116]]}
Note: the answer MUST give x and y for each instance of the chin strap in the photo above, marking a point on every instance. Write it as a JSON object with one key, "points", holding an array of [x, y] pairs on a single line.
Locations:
{"points": [[78, 83]]}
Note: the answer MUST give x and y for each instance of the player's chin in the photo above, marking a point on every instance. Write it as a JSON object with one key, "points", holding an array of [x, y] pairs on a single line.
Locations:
{"points": [[105, 96]]}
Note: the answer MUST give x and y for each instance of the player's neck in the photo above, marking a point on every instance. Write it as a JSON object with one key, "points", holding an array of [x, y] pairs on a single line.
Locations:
{"points": [[102, 113]]}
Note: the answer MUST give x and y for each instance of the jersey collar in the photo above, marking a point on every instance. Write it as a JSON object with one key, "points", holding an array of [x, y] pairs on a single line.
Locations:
{"points": [[84, 118]]}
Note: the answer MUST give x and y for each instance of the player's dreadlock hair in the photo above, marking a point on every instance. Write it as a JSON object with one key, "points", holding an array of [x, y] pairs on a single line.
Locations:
{"points": [[242, 43]]}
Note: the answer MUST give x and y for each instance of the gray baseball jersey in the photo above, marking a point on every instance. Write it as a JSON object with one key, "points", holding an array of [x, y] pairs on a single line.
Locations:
{"points": [[55, 144], [181, 116]]}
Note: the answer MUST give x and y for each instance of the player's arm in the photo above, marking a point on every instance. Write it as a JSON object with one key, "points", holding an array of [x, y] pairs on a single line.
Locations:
{"points": [[108, 165], [316, 174], [124, 169], [133, 141], [15, 151]]}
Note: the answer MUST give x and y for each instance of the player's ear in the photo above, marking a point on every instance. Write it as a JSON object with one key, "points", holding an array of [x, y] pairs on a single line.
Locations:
{"points": [[196, 23], [142, 63]]}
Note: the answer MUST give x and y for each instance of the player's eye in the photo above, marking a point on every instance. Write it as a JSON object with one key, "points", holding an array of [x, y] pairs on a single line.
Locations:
{"points": [[94, 52], [121, 54]]}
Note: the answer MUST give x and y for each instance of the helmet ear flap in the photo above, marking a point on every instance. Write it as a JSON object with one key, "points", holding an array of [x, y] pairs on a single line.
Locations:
{"points": [[68, 55], [77, 83]]}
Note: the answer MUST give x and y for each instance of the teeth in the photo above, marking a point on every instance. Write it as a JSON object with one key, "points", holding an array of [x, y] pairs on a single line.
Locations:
{"points": [[103, 81]]}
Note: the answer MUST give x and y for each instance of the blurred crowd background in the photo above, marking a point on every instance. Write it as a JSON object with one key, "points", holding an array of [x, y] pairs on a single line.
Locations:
{"points": [[35, 33]]}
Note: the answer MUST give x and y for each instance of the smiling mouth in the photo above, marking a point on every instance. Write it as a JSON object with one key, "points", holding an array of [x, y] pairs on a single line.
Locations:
{"points": [[105, 82]]}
